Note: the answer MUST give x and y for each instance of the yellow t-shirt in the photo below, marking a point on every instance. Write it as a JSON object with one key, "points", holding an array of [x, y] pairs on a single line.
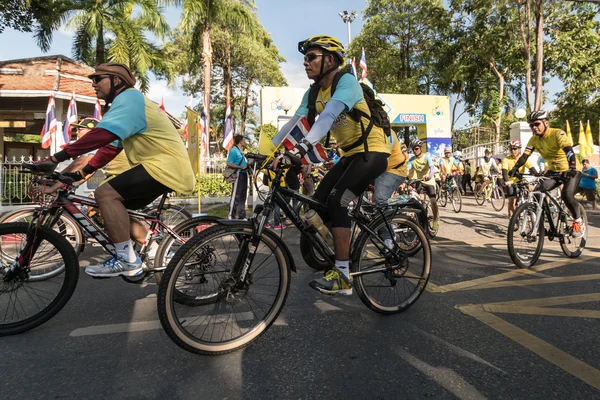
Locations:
{"points": [[345, 130], [398, 157], [118, 165], [509, 162], [150, 139], [447, 165], [550, 146], [419, 168]]}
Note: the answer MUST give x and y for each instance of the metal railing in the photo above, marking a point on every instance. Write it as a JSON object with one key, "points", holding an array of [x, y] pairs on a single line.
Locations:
{"points": [[478, 151], [13, 185]]}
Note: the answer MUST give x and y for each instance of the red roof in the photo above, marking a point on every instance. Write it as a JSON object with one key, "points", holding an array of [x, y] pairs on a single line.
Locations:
{"points": [[40, 74]]}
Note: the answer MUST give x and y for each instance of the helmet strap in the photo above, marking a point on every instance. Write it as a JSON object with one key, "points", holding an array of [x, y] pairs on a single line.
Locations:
{"points": [[112, 93], [324, 74]]}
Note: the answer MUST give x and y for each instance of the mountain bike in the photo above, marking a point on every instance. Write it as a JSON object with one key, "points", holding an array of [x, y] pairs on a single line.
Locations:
{"points": [[490, 191], [449, 191], [39, 267], [249, 274], [414, 189], [527, 226]]}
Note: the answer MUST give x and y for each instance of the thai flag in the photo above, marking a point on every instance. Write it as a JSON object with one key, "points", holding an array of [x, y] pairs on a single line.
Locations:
{"points": [[296, 134], [49, 128], [228, 137], [204, 129], [321, 171], [98, 110], [354, 72], [185, 128], [71, 118], [363, 65], [162, 104]]}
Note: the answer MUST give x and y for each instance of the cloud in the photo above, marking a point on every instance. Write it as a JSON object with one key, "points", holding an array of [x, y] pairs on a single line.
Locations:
{"points": [[295, 75], [159, 89]]}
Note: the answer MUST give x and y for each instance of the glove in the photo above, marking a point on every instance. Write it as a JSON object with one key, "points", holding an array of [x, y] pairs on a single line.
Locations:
{"points": [[76, 176], [47, 165], [301, 149], [569, 173]]}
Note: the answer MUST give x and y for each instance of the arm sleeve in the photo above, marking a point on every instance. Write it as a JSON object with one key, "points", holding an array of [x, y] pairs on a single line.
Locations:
{"points": [[348, 91], [93, 140], [505, 174], [103, 156], [431, 166], [302, 111], [570, 156], [326, 119], [521, 161]]}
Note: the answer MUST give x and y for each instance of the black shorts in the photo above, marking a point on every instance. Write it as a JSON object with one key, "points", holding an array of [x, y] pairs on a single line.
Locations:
{"points": [[429, 190], [137, 187]]}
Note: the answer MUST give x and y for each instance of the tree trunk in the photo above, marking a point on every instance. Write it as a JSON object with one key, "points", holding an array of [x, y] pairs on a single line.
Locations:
{"points": [[227, 79], [526, 39], [100, 45], [498, 121], [539, 54], [245, 105], [206, 68]]}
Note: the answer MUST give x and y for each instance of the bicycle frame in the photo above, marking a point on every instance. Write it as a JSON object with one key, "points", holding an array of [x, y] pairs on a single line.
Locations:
{"points": [[542, 199]]}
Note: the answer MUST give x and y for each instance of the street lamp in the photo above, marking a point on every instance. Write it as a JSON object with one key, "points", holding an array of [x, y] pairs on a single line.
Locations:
{"points": [[520, 113], [286, 105], [348, 18]]}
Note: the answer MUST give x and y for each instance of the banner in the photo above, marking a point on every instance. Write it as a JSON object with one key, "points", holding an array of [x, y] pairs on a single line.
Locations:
{"points": [[193, 149]]}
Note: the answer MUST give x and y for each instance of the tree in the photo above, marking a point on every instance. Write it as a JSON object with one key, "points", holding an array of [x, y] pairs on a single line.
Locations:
{"points": [[200, 17], [38, 16]]}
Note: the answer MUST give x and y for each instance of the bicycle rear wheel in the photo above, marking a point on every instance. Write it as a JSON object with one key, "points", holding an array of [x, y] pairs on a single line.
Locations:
{"points": [[524, 247], [497, 198], [225, 314], [443, 197], [27, 303], [570, 245], [173, 215], [456, 199], [479, 194], [432, 232], [405, 272]]}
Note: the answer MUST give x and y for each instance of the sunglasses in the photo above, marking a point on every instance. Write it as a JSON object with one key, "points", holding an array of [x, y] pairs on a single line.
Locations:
{"points": [[514, 148], [535, 124], [98, 78], [312, 56]]}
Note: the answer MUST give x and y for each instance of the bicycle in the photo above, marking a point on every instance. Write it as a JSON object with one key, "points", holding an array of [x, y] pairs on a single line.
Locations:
{"points": [[414, 189], [489, 190], [449, 191], [527, 227], [39, 267], [250, 274]]}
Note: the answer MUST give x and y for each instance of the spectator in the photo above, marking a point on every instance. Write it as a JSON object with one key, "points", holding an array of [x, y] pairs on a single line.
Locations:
{"points": [[308, 183], [239, 191], [588, 182]]}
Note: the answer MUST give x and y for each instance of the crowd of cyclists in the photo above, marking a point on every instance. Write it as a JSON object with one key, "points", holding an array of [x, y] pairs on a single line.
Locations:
{"points": [[336, 104]]}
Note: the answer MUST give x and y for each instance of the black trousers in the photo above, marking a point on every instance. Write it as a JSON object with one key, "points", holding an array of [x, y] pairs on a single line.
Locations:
{"points": [[239, 192]]}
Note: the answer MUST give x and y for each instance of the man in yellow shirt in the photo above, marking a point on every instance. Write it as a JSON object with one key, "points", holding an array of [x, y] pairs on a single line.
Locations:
{"points": [[507, 164], [420, 166], [560, 160]]}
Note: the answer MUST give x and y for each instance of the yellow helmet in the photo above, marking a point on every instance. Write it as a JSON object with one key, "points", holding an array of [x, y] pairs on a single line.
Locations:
{"points": [[328, 43]]}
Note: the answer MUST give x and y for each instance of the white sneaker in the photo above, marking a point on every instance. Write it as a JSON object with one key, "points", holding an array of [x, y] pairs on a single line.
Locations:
{"points": [[115, 267]]}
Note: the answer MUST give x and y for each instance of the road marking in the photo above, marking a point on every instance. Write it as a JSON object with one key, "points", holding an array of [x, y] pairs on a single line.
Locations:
{"points": [[540, 281], [324, 306], [563, 360]]}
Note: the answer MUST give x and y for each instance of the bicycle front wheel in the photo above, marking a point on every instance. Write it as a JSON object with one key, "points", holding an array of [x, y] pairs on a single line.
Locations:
{"points": [[524, 246], [443, 198], [479, 194], [24, 302], [456, 199], [497, 198], [224, 313], [389, 282], [570, 245]]}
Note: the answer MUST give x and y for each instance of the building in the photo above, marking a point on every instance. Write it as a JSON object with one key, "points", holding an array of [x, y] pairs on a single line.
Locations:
{"points": [[25, 86]]}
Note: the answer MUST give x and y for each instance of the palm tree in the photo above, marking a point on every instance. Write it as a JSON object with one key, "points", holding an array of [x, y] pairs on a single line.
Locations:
{"points": [[114, 30], [198, 19]]}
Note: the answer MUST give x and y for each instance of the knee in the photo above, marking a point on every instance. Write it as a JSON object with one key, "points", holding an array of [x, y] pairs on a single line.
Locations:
{"points": [[106, 193]]}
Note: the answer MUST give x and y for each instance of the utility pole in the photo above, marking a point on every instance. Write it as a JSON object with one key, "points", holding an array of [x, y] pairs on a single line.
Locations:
{"points": [[348, 18]]}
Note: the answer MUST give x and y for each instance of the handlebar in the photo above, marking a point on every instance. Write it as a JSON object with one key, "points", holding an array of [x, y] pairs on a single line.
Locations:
{"points": [[55, 176]]}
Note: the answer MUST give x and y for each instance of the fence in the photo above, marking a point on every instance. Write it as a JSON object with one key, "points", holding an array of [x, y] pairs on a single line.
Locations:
{"points": [[477, 151], [13, 185]]}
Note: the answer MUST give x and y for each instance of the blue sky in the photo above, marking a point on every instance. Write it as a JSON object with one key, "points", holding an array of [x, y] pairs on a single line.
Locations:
{"points": [[287, 21]]}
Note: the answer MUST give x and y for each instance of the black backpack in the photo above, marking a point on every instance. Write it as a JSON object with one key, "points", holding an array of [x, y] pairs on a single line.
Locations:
{"points": [[378, 115]]}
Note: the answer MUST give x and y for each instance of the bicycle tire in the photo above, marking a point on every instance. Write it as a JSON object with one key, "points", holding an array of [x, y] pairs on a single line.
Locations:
{"points": [[431, 231], [310, 255], [9, 234], [443, 198], [456, 199], [565, 242], [374, 253], [173, 215], [479, 195], [167, 306], [522, 222], [497, 198]]}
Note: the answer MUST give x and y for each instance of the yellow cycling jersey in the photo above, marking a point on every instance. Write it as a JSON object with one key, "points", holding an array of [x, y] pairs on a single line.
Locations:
{"points": [[509, 162], [398, 162], [550, 146], [447, 165], [419, 168]]}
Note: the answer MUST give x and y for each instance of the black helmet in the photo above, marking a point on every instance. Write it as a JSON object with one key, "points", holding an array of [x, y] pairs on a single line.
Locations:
{"points": [[537, 115]]}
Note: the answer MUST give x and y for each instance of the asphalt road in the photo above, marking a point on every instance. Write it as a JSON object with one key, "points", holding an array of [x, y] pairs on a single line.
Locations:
{"points": [[482, 330]]}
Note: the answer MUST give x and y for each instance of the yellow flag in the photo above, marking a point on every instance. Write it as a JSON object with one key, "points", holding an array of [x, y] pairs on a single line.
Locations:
{"points": [[583, 149], [193, 149], [569, 136], [588, 139]]}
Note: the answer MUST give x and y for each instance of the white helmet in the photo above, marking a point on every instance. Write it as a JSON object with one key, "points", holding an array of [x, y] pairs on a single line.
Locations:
{"points": [[457, 154]]}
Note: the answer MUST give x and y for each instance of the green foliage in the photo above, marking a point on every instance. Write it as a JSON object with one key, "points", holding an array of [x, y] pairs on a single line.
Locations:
{"points": [[212, 185]]}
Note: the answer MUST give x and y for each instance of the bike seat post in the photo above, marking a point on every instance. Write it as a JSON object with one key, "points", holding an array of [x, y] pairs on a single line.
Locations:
{"points": [[162, 202]]}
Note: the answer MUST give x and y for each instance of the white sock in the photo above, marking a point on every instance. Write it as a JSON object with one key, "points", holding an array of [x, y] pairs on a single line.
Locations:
{"points": [[580, 220], [125, 251], [342, 266]]}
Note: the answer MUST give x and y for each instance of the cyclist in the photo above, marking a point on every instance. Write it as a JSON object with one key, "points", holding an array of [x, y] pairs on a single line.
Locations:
{"points": [[359, 164], [153, 147], [507, 164], [420, 166], [460, 170], [447, 165], [487, 165], [553, 144], [387, 183]]}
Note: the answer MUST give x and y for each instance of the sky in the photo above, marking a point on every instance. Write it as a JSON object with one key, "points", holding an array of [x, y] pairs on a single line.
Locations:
{"points": [[288, 22]]}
